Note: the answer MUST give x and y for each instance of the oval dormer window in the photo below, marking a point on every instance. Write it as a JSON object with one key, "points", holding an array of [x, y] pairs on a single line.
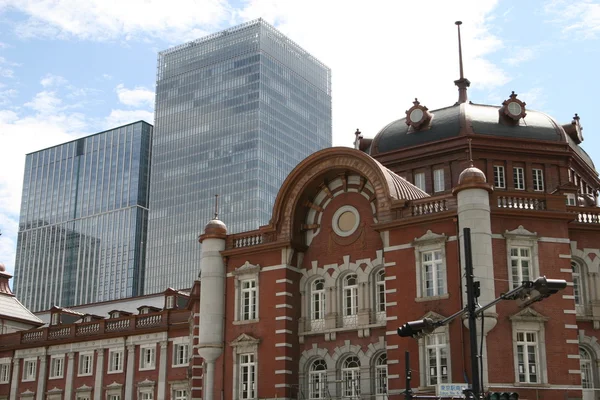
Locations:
{"points": [[416, 115], [514, 108]]}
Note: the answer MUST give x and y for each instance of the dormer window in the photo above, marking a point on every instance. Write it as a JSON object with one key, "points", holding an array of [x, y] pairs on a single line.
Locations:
{"points": [[144, 310], [115, 314], [55, 320], [417, 116], [513, 108], [87, 318], [170, 302]]}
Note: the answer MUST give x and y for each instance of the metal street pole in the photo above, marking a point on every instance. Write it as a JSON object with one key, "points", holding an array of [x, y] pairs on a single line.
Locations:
{"points": [[408, 394], [471, 307]]}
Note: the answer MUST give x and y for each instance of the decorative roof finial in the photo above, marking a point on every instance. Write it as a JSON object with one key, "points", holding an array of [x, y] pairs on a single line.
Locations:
{"points": [[470, 153], [462, 83], [216, 207], [358, 137]]}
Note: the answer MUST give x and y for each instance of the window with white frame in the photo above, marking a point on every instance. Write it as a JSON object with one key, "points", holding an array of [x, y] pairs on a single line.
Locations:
{"points": [[29, 370], [586, 366], [538, 179], [420, 180], [381, 377], [85, 364], [519, 178], [438, 180], [578, 284], [247, 376], [430, 256], [114, 397], [351, 377], [83, 397], [317, 304], [170, 302], [57, 364], [5, 373], [528, 364], [180, 354], [380, 296], [180, 394], [522, 256], [248, 300], [499, 178], [317, 380], [436, 358], [350, 299], [147, 357], [147, 395], [115, 360], [434, 273], [520, 262], [571, 199]]}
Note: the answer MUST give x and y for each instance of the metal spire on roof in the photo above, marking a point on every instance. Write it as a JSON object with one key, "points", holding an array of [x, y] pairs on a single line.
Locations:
{"points": [[462, 83], [470, 153], [216, 207]]}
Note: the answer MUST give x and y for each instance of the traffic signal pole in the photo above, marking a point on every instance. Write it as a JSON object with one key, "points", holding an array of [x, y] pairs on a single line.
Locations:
{"points": [[471, 308]]}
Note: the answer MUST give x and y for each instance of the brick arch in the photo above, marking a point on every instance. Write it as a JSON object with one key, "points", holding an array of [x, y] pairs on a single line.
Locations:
{"points": [[592, 266], [316, 165]]}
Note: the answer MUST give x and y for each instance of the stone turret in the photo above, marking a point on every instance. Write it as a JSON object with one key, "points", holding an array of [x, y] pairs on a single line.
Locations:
{"points": [[212, 300]]}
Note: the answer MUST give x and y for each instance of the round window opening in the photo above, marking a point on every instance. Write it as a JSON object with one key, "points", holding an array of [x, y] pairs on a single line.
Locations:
{"points": [[345, 221]]}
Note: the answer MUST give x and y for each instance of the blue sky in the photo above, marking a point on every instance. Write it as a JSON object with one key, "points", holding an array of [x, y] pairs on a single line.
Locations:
{"points": [[69, 68]]}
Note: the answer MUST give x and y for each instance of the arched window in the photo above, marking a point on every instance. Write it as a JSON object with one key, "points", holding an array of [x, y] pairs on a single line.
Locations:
{"points": [[578, 287], [380, 296], [351, 377], [381, 377], [586, 367], [317, 379], [350, 300], [317, 305]]}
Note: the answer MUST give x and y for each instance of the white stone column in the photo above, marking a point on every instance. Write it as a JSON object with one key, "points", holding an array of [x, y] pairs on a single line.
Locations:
{"points": [[99, 374], [129, 373], [41, 386], [162, 371], [209, 377], [14, 385], [69, 378]]}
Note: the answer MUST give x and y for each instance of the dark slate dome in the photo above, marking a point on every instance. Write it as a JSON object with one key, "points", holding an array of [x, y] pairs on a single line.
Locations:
{"points": [[452, 121]]}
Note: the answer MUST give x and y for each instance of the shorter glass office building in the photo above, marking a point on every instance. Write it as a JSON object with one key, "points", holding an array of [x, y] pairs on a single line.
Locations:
{"points": [[82, 229]]}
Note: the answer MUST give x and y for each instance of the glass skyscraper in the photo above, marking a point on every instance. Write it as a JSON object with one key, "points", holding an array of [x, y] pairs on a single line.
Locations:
{"points": [[84, 219], [235, 112]]}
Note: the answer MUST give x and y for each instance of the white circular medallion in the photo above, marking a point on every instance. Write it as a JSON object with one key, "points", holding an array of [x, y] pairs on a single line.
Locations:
{"points": [[416, 115], [514, 108], [345, 221]]}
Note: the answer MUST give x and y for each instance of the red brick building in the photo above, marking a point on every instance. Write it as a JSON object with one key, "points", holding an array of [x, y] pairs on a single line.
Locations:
{"points": [[361, 241]]}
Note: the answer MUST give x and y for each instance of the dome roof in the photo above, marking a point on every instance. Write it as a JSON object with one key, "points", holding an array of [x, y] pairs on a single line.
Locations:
{"points": [[215, 229], [449, 122], [471, 175]]}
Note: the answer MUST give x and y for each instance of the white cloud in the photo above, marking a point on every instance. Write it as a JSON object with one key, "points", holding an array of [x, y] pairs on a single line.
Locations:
{"points": [[521, 55], [6, 72], [106, 20], [136, 97], [122, 117], [108, 77], [580, 18], [53, 80], [45, 103], [6, 95]]}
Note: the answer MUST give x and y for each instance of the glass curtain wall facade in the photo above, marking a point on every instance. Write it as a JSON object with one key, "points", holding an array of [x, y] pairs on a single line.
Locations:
{"points": [[235, 113], [83, 220]]}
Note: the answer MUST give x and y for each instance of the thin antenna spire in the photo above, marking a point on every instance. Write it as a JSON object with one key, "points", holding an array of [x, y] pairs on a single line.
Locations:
{"points": [[462, 83], [216, 207], [470, 153]]}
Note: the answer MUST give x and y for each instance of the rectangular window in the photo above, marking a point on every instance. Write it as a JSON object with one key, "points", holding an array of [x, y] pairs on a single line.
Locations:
{"points": [[499, 180], [147, 396], [538, 180], [571, 200], [527, 357], [29, 368], [434, 273], [114, 397], [180, 354], [519, 178], [437, 359], [4, 373], [247, 376], [115, 361], [57, 367], [147, 357], [520, 261], [438, 180], [420, 180], [248, 298], [180, 394], [85, 364], [83, 397]]}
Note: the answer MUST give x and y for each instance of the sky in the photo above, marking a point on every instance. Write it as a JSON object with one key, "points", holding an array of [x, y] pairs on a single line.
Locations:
{"points": [[70, 68]]}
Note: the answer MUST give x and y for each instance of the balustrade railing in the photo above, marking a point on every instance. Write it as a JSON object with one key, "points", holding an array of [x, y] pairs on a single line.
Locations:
{"points": [[87, 329], [586, 215], [117, 325], [146, 321], [522, 202]]}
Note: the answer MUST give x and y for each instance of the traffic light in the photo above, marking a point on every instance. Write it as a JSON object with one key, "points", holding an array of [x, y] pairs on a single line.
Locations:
{"points": [[416, 328], [502, 396]]}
